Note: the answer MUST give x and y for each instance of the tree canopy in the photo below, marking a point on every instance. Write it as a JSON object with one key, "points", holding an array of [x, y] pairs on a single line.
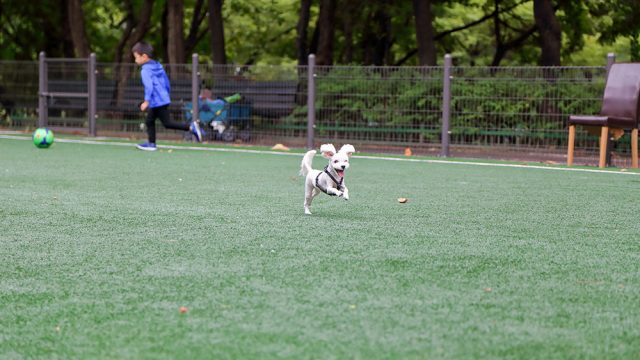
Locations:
{"points": [[362, 32]]}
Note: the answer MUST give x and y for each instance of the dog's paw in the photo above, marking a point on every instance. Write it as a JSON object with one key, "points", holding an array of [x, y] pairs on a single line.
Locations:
{"points": [[307, 212], [339, 193], [345, 196]]}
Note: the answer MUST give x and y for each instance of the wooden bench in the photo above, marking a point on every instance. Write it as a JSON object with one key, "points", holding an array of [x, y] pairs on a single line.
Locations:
{"points": [[23, 99], [271, 99], [132, 94]]}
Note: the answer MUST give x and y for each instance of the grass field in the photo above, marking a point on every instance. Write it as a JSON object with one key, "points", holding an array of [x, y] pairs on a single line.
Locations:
{"points": [[101, 246]]}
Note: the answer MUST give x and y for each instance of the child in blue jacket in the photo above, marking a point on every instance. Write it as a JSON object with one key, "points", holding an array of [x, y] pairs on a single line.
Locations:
{"points": [[157, 96]]}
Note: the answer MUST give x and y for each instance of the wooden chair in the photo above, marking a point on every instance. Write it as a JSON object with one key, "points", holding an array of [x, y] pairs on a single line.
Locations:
{"points": [[619, 111]]}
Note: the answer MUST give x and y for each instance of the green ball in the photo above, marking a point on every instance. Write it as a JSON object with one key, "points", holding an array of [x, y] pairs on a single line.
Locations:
{"points": [[43, 138]]}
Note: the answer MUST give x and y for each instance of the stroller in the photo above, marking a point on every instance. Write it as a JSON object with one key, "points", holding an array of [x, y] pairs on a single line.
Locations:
{"points": [[224, 120]]}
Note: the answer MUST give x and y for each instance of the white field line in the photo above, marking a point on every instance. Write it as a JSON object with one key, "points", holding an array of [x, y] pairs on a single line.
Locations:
{"points": [[427, 161]]}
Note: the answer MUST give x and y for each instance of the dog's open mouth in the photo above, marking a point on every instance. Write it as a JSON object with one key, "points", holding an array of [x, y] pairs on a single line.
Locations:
{"points": [[340, 172]]}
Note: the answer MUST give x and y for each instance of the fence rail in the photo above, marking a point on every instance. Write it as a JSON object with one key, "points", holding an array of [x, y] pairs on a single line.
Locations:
{"points": [[514, 108]]}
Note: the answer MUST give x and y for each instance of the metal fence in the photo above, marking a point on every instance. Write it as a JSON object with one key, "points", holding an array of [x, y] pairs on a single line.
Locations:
{"points": [[120, 92], [493, 109], [273, 102], [18, 94], [522, 107], [379, 106]]}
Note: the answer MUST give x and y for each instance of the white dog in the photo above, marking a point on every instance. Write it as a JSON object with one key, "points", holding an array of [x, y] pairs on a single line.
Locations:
{"points": [[330, 180]]}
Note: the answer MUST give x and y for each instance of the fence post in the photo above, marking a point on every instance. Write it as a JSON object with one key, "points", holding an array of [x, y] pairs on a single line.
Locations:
{"points": [[92, 98], [42, 89], [195, 75], [311, 98], [446, 105], [611, 59]]}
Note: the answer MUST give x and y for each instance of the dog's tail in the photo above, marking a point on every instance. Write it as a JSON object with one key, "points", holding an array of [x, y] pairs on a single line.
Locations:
{"points": [[307, 160]]}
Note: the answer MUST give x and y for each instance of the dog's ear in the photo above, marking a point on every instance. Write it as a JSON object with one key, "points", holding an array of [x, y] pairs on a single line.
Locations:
{"points": [[328, 150], [347, 149]]}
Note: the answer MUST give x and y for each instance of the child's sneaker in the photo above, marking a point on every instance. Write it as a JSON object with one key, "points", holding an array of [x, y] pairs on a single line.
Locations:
{"points": [[147, 146], [195, 130]]}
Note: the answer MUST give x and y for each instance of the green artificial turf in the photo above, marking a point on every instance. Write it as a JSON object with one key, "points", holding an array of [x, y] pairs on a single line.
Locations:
{"points": [[102, 244]]}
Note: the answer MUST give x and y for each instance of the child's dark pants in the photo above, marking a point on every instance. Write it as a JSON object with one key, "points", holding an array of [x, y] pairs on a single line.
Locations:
{"points": [[162, 113]]}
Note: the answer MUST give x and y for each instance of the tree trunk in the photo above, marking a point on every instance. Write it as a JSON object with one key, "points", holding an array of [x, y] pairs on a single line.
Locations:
{"points": [[500, 50], [504, 47], [135, 30], [347, 57], [550, 32], [326, 26], [368, 41], [75, 18], [195, 34], [382, 21], [62, 34], [175, 32], [313, 47], [303, 32], [164, 29], [216, 27], [424, 32], [348, 18]]}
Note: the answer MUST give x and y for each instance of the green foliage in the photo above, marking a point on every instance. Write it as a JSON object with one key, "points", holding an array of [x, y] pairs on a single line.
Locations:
{"points": [[573, 17], [634, 47], [372, 97], [260, 32], [264, 31], [512, 110], [28, 27], [509, 105], [615, 18], [103, 21]]}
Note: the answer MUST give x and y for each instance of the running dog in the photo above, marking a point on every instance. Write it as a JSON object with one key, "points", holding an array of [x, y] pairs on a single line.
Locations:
{"points": [[330, 180]]}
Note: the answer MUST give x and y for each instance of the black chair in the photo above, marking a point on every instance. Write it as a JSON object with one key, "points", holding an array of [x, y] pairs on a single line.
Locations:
{"points": [[619, 111]]}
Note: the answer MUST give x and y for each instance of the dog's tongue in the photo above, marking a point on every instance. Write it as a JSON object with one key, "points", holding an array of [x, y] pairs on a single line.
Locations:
{"points": [[340, 173]]}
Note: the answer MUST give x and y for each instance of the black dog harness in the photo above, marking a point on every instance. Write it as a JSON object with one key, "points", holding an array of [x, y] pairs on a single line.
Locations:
{"points": [[338, 183]]}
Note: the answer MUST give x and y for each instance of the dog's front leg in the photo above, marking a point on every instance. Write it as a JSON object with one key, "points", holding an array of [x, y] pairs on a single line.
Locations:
{"points": [[334, 191], [345, 193]]}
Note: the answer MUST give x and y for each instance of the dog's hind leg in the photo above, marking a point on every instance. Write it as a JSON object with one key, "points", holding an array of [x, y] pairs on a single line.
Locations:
{"points": [[309, 193], [307, 204]]}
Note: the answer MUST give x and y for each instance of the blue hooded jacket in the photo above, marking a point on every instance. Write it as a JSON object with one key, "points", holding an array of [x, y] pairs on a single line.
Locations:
{"points": [[156, 84]]}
